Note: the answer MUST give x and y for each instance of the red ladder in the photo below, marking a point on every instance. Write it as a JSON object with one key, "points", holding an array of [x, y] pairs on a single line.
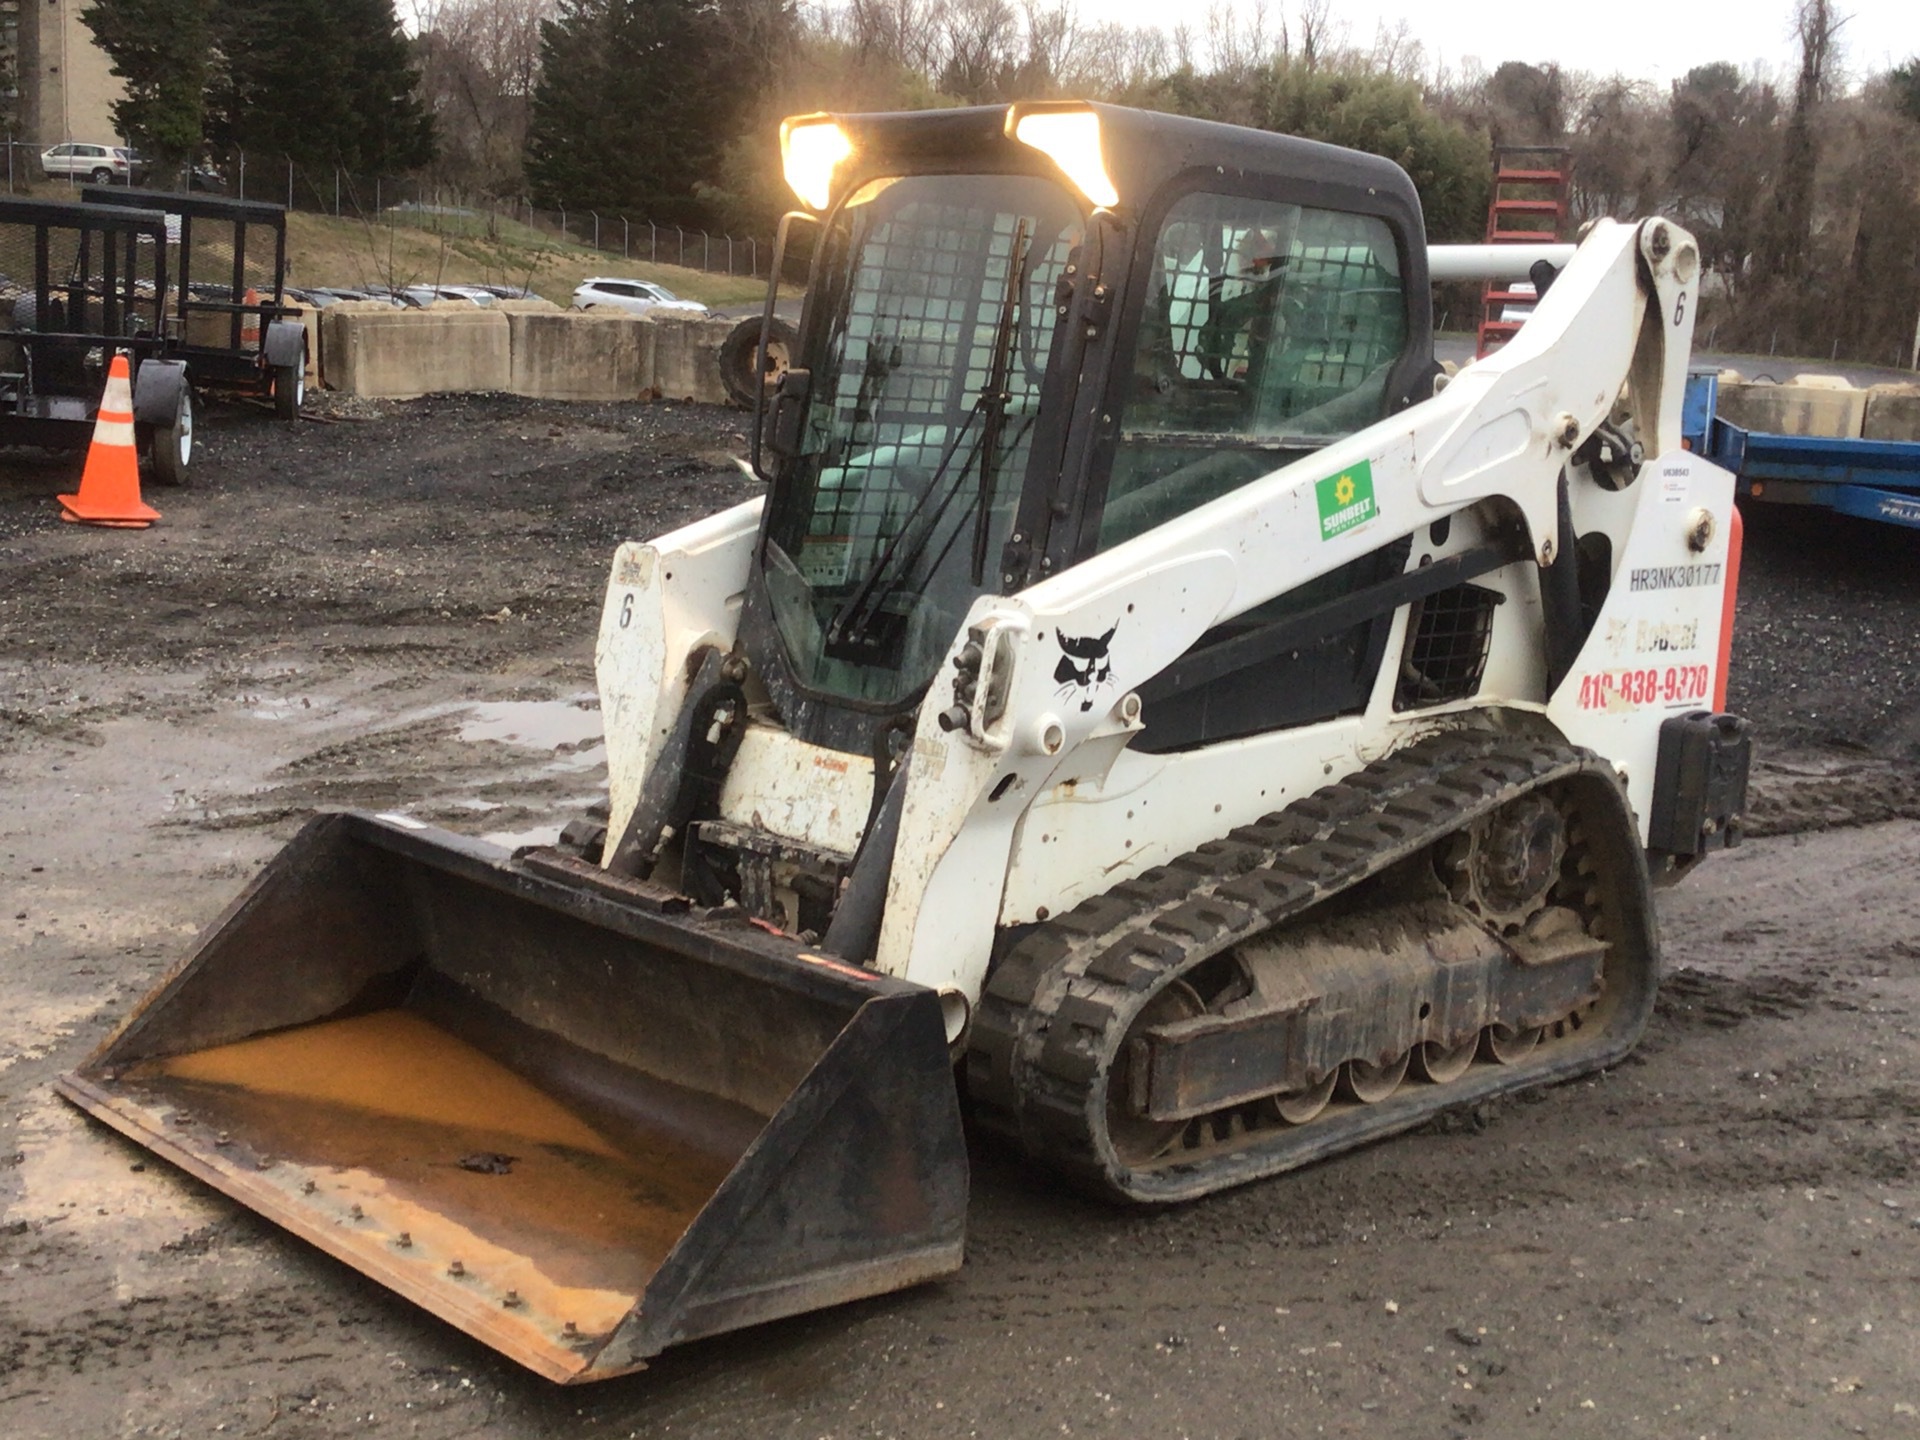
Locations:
{"points": [[1529, 207]]}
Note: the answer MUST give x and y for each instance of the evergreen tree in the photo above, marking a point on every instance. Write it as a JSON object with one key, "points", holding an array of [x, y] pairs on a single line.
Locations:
{"points": [[322, 82], [1903, 88], [639, 99], [160, 49]]}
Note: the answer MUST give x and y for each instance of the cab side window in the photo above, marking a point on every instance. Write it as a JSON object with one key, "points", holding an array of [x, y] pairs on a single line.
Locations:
{"points": [[1268, 328]]}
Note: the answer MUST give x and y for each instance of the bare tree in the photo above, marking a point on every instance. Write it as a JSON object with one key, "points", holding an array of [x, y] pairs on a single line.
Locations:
{"points": [[1617, 153], [1052, 35], [1396, 52], [480, 62], [1115, 62], [908, 33], [980, 38], [1791, 223], [1237, 37], [1318, 34]]}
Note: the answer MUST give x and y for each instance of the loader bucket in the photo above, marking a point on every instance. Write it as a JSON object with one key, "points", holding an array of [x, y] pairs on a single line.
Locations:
{"points": [[541, 1104]]}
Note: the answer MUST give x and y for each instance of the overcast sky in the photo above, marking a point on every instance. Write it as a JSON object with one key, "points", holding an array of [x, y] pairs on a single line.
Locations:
{"points": [[1644, 39]]}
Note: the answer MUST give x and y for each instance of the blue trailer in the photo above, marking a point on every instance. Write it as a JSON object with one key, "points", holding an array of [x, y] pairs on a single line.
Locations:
{"points": [[1872, 479]]}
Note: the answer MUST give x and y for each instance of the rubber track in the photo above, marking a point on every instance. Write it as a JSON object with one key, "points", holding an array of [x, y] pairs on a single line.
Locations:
{"points": [[1057, 1006]]}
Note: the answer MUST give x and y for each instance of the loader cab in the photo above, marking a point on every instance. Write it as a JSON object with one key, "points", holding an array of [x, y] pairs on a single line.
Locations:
{"points": [[1034, 332]]}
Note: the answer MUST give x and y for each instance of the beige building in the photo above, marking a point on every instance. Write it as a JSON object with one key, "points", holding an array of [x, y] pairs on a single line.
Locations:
{"points": [[65, 87]]}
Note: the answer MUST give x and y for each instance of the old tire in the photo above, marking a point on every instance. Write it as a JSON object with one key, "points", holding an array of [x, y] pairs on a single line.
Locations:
{"points": [[289, 390], [740, 369], [171, 447]]}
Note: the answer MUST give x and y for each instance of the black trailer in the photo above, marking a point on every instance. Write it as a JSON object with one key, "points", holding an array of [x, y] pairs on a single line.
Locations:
{"points": [[228, 307], [77, 284]]}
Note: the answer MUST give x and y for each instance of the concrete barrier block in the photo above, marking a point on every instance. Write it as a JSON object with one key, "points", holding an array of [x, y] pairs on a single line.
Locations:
{"points": [[1822, 382], [532, 305], [1893, 413], [687, 358], [399, 354], [1794, 410], [330, 341], [571, 355]]}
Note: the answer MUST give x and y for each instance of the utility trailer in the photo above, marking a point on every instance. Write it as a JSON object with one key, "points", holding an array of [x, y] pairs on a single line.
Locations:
{"points": [[1871, 479], [228, 308], [78, 283]]}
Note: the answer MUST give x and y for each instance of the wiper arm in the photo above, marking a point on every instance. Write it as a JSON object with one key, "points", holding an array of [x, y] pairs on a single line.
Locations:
{"points": [[851, 621], [996, 398]]}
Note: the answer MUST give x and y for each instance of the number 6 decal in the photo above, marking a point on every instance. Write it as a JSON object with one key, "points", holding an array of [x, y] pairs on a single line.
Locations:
{"points": [[1680, 307]]}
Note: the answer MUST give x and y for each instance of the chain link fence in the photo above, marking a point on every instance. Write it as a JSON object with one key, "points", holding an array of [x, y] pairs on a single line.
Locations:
{"points": [[420, 203]]}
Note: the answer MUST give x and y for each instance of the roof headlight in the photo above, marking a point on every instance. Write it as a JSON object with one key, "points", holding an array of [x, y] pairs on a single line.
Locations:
{"points": [[1069, 135], [811, 149]]}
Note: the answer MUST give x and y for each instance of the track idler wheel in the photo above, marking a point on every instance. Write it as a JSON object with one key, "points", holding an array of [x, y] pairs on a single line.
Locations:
{"points": [[1136, 1137]]}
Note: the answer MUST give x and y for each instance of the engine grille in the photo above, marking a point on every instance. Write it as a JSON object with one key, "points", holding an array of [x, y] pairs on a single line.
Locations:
{"points": [[1448, 636]]}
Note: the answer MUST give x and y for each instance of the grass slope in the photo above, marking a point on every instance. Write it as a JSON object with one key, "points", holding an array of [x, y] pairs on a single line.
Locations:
{"points": [[323, 250]]}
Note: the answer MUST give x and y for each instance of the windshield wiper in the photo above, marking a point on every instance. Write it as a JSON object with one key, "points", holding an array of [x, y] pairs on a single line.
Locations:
{"points": [[848, 633]]}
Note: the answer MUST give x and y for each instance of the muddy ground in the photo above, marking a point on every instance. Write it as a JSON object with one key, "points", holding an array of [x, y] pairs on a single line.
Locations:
{"points": [[1721, 1237]]}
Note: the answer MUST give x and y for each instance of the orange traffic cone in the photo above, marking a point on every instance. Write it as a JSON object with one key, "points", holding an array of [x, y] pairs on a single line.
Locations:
{"points": [[110, 484]]}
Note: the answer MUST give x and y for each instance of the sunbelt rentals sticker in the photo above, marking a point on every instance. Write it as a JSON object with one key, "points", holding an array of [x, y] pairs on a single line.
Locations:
{"points": [[1346, 500]]}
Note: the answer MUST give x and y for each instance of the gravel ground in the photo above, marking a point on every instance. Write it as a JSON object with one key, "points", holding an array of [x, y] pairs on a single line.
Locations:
{"points": [[1718, 1237]]}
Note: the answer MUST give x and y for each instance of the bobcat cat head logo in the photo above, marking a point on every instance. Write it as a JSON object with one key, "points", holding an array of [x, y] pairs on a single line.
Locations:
{"points": [[1084, 666]]}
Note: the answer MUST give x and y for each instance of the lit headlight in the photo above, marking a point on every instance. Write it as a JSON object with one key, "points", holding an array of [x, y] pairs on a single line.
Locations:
{"points": [[1069, 135], [811, 147]]}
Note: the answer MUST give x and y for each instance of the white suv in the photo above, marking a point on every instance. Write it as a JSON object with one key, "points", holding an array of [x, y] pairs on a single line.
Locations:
{"points": [[102, 164], [641, 297]]}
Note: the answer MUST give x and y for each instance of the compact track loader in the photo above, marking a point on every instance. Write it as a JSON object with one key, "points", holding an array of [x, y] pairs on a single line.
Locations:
{"points": [[1152, 701]]}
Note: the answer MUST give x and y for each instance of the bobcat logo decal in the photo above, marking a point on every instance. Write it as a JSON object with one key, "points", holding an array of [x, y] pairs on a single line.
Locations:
{"points": [[1084, 666]]}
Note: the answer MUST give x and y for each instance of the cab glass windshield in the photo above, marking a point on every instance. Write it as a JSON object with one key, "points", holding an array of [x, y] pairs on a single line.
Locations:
{"points": [[890, 520]]}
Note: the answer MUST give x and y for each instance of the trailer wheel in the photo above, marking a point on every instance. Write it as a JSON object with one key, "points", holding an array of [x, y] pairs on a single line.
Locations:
{"points": [[739, 357], [171, 448], [289, 390]]}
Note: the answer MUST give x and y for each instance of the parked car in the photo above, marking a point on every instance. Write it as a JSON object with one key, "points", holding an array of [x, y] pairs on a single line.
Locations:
{"points": [[325, 295], [401, 297], [427, 294], [641, 297], [83, 160]]}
